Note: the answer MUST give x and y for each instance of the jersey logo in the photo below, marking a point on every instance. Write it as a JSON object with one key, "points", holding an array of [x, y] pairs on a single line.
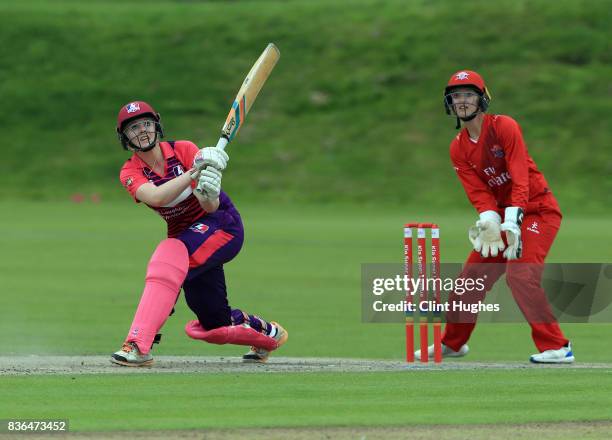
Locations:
{"points": [[497, 151], [534, 228], [178, 170], [462, 75], [200, 228], [132, 107]]}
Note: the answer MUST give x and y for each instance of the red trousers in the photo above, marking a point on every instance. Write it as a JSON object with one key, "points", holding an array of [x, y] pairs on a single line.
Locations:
{"points": [[523, 276]]}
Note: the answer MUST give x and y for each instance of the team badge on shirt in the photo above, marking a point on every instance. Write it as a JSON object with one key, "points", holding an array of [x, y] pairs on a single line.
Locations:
{"points": [[200, 228], [534, 228], [497, 151], [132, 107]]}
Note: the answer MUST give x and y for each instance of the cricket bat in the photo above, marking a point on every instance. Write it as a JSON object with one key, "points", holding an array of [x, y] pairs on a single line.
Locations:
{"points": [[247, 94]]}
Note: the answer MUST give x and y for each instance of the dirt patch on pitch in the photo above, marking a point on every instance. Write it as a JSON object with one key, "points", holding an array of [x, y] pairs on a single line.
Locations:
{"points": [[541, 431], [24, 365]]}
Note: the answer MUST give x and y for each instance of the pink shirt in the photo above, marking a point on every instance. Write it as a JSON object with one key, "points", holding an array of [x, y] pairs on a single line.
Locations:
{"points": [[185, 209]]}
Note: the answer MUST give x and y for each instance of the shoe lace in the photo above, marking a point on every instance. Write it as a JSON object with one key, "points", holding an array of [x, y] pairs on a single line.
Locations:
{"points": [[128, 347]]}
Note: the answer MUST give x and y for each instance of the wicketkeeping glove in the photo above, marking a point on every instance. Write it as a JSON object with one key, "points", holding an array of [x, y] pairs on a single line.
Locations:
{"points": [[513, 218], [211, 156], [209, 184], [485, 235]]}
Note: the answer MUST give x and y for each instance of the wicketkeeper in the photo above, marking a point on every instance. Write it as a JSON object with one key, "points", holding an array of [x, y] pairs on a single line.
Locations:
{"points": [[518, 218], [183, 184]]}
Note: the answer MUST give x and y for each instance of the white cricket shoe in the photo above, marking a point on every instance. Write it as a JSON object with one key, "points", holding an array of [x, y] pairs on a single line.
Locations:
{"points": [[446, 352], [564, 355], [130, 356], [259, 355]]}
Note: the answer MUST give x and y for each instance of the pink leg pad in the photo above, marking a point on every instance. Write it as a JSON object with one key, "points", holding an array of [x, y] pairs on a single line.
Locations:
{"points": [[233, 334], [165, 275]]}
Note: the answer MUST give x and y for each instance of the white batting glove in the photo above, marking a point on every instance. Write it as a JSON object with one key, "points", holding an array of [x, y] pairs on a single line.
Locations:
{"points": [[211, 156], [485, 235], [209, 184], [513, 218]]}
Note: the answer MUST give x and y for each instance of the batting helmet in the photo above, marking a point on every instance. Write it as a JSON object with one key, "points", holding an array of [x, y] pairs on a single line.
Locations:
{"points": [[467, 78], [135, 110]]}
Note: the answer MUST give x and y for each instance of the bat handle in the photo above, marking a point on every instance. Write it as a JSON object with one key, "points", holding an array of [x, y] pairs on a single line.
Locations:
{"points": [[222, 143]]}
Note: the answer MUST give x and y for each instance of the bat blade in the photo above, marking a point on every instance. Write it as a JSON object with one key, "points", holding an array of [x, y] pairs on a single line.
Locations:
{"points": [[247, 94]]}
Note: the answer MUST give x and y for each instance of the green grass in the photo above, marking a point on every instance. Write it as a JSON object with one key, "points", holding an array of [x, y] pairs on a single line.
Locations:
{"points": [[347, 141], [72, 275], [172, 401], [73, 278], [353, 111]]}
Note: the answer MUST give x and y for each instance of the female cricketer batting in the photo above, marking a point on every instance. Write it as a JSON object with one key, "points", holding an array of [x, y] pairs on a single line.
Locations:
{"points": [[183, 184], [500, 178]]}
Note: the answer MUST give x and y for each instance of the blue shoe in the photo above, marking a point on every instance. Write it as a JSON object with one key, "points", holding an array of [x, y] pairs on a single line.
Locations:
{"points": [[564, 355]]}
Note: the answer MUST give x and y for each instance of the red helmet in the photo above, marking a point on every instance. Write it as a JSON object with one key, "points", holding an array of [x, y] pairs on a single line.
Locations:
{"points": [[467, 78], [135, 110]]}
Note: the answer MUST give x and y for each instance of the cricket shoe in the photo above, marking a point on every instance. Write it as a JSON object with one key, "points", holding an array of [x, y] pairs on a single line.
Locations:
{"points": [[446, 352], [130, 356], [260, 355], [564, 355]]}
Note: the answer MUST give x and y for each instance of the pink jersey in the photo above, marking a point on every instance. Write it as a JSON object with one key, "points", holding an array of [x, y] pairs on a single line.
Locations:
{"points": [[185, 209], [496, 171]]}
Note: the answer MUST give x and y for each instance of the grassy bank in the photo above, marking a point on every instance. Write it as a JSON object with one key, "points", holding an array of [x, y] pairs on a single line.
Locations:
{"points": [[352, 112]]}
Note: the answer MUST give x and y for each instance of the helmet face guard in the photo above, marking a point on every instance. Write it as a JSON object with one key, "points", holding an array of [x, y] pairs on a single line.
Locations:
{"points": [[477, 99], [470, 80], [130, 137], [140, 134]]}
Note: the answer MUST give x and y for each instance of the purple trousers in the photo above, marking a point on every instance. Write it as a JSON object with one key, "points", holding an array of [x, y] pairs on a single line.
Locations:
{"points": [[211, 241]]}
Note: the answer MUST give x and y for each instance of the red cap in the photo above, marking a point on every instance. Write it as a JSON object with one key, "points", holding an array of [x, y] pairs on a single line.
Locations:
{"points": [[134, 110], [467, 78]]}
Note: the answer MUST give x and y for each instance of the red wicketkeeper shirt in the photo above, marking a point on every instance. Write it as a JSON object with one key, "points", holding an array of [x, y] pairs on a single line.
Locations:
{"points": [[496, 170]]}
